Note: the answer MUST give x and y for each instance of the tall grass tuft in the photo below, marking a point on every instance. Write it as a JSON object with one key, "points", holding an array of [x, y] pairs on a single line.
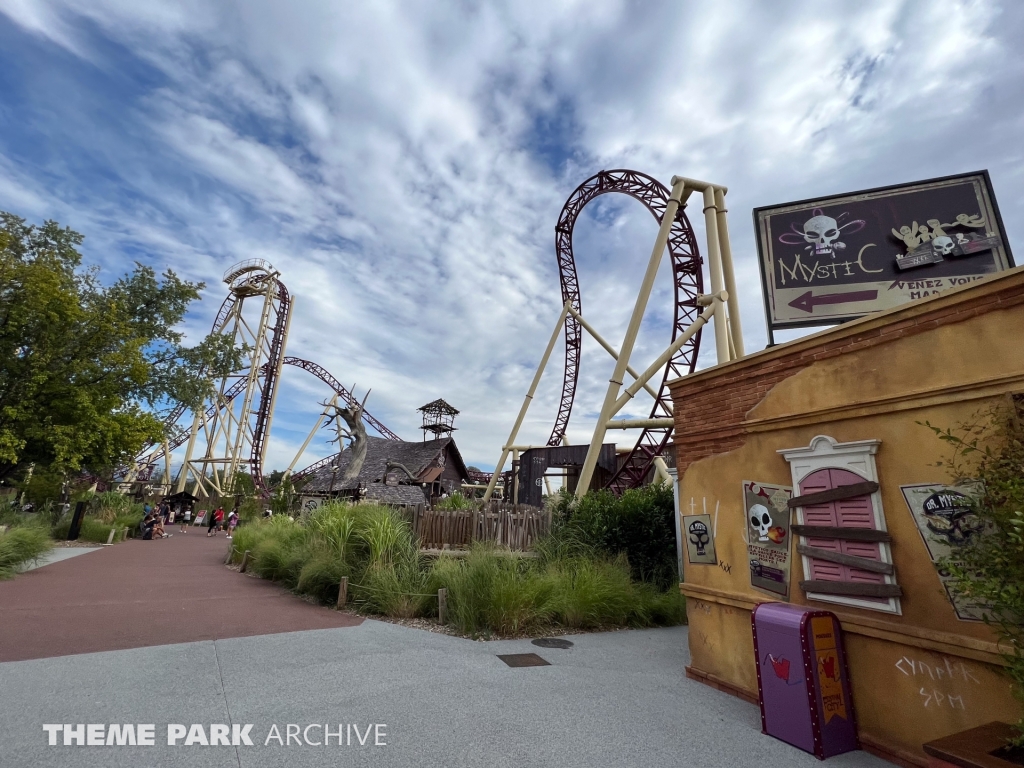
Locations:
{"points": [[587, 593], [19, 546], [491, 591], [396, 589], [321, 576], [387, 536]]}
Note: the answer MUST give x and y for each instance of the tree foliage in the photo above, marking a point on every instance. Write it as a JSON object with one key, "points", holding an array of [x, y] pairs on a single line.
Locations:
{"points": [[988, 568], [86, 368]]}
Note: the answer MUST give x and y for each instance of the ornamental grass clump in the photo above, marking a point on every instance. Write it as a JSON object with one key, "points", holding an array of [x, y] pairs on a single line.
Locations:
{"points": [[20, 546], [588, 593], [571, 582], [492, 591]]}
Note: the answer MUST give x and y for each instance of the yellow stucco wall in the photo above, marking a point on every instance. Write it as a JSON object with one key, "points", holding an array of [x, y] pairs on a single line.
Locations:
{"points": [[921, 675]]}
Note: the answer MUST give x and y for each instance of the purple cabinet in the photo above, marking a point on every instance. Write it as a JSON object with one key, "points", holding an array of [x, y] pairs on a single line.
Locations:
{"points": [[802, 681]]}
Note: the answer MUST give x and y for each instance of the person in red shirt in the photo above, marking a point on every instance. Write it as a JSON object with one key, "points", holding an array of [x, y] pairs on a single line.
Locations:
{"points": [[215, 520]]}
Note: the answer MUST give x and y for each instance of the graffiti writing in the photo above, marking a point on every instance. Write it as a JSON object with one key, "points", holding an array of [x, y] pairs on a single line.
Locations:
{"points": [[956, 670]]}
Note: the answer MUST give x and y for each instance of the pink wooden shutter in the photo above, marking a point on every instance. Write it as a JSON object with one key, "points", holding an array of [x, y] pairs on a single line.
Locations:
{"points": [[846, 513]]}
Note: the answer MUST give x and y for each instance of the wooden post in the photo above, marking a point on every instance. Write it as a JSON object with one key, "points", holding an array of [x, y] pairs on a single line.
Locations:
{"points": [[231, 552], [124, 534], [110, 538], [245, 562], [343, 592], [442, 605]]}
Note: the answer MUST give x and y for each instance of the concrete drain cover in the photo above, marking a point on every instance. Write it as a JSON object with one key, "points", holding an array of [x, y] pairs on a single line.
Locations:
{"points": [[552, 642], [523, 660]]}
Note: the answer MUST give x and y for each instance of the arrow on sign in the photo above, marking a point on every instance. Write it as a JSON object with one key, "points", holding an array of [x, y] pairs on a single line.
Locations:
{"points": [[808, 301]]}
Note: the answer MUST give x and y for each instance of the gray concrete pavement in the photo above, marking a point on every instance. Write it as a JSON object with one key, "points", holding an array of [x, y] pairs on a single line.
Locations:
{"points": [[614, 699], [57, 554]]}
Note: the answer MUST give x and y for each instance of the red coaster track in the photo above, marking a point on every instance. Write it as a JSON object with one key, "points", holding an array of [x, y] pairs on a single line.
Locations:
{"points": [[689, 283]]}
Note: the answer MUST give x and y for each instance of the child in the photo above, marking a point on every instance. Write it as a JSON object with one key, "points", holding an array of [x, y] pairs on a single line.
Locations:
{"points": [[232, 524]]}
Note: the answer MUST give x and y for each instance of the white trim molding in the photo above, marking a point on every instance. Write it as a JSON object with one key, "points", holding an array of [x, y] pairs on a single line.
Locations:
{"points": [[857, 457]]}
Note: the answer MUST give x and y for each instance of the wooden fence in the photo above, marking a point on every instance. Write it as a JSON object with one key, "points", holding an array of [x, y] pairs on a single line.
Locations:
{"points": [[516, 526]]}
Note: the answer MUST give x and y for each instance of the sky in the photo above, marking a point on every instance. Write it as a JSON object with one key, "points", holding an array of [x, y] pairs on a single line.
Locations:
{"points": [[404, 164]]}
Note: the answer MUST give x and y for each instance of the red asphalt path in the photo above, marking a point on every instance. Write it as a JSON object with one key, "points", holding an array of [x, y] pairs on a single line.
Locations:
{"points": [[144, 593]]}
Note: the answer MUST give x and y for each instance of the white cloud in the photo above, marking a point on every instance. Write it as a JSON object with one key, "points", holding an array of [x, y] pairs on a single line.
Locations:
{"points": [[404, 165]]}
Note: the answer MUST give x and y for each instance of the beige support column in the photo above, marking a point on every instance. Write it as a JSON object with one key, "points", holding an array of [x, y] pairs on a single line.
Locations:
{"points": [[608, 348], [526, 401], [183, 475], [641, 423], [729, 273], [716, 302], [167, 469], [717, 279], [626, 350], [661, 470]]}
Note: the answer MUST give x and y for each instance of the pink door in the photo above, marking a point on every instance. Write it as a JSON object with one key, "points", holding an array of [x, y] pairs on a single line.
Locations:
{"points": [[846, 513]]}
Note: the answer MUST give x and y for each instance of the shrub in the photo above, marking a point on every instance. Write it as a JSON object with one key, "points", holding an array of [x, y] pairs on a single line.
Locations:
{"points": [[20, 546], [640, 525], [989, 568]]}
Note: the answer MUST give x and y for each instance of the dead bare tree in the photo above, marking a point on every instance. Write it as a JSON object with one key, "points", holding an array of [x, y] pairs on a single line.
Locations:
{"points": [[348, 423]]}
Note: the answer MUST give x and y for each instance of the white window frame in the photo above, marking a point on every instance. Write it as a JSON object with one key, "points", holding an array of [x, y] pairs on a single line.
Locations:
{"points": [[857, 457]]}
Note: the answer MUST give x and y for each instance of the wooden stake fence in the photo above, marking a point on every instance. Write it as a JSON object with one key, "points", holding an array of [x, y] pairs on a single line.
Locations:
{"points": [[516, 526]]}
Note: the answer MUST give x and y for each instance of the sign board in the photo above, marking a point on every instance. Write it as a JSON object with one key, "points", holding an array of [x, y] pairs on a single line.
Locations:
{"points": [[838, 258], [766, 509], [700, 540], [945, 517]]}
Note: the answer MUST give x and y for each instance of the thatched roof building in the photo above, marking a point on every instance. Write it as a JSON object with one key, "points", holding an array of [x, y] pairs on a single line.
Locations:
{"points": [[433, 467]]}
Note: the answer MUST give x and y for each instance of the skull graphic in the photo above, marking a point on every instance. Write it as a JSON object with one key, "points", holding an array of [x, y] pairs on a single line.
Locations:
{"points": [[821, 233], [699, 536], [943, 246], [760, 521]]}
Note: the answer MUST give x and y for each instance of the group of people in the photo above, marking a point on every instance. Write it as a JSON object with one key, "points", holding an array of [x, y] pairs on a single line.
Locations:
{"points": [[218, 523], [155, 520], [152, 527]]}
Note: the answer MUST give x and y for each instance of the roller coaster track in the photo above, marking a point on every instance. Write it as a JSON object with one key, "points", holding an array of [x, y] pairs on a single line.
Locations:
{"points": [[689, 284]]}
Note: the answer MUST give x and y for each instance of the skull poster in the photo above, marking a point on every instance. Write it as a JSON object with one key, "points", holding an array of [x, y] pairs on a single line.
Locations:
{"points": [[944, 516], [700, 540], [767, 535], [837, 258]]}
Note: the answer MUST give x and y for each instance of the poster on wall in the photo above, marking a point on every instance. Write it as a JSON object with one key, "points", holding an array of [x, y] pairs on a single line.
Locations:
{"points": [[836, 258], [700, 540], [944, 516], [767, 524]]}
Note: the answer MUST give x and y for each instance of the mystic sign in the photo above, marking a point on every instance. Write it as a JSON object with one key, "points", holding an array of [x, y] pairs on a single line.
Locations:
{"points": [[838, 258]]}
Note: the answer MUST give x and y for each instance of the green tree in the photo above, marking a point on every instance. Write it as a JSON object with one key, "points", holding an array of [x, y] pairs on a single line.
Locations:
{"points": [[88, 370], [988, 566]]}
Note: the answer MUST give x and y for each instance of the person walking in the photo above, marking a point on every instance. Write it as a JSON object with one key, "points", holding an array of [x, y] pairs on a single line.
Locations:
{"points": [[232, 524], [186, 518]]}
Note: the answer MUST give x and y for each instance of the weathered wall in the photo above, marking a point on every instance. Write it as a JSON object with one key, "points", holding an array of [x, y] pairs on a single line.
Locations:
{"points": [[917, 676]]}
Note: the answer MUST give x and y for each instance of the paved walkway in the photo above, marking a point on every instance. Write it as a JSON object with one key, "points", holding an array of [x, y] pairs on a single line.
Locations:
{"points": [[145, 593], [614, 700]]}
